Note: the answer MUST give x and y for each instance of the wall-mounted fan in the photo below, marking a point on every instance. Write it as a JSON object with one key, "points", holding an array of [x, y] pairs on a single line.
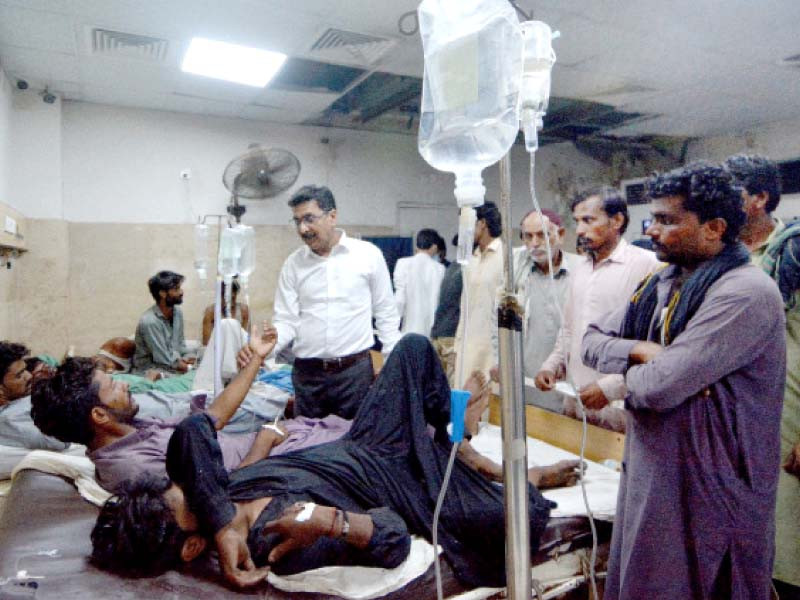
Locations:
{"points": [[257, 174]]}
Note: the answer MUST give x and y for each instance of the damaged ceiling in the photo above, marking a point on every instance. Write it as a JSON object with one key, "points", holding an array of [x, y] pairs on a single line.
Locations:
{"points": [[639, 76]]}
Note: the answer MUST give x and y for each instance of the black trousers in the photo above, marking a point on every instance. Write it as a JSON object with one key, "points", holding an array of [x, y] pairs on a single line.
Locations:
{"points": [[319, 394]]}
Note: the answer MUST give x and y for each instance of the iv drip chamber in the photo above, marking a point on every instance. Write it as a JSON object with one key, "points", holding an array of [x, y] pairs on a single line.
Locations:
{"points": [[538, 60]]}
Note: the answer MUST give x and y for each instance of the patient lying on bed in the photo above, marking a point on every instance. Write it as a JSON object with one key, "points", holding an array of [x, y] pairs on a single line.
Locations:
{"points": [[354, 501], [83, 404], [16, 427]]}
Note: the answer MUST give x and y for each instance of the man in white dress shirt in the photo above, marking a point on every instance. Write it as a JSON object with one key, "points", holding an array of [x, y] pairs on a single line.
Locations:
{"points": [[328, 293], [417, 280]]}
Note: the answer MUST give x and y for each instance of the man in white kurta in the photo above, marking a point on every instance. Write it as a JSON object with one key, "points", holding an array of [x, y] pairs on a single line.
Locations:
{"points": [[417, 280], [483, 277]]}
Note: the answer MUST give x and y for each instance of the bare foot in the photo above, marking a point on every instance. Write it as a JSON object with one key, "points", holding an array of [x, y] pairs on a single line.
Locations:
{"points": [[478, 401], [564, 473]]}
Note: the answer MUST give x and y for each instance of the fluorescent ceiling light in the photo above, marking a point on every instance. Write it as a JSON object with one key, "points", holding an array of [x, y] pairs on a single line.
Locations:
{"points": [[240, 64]]}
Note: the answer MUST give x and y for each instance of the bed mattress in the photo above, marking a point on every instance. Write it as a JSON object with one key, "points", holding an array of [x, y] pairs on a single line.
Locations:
{"points": [[44, 532]]}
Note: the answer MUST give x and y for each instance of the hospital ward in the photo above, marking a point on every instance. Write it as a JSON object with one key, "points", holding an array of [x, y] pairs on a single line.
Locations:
{"points": [[412, 300]]}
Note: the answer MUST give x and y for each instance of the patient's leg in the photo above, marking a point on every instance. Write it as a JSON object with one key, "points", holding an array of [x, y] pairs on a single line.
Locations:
{"points": [[562, 474], [478, 401], [410, 393]]}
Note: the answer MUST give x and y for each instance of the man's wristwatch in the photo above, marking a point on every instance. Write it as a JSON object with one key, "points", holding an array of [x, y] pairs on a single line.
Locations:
{"points": [[345, 525]]}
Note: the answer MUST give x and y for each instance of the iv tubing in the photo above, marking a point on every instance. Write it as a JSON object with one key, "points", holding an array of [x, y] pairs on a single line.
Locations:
{"points": [[446, 481], [593, 561], [436, 511]]}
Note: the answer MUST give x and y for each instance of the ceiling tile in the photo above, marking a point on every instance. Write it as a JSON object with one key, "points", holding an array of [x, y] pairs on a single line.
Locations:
{"points": [[36, 29]]}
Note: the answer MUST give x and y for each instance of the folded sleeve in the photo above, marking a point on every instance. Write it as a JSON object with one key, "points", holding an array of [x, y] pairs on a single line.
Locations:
{"points": [[194, 463]]}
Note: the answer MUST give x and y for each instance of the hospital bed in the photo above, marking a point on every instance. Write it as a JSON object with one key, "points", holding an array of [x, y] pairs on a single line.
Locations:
{"points": [[44, 545]]}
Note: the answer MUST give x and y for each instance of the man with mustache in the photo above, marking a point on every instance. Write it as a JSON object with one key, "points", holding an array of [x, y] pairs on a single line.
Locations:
{"points": [[702, 346], [328, 294], [16, 427], [160, 343], [602, 280], [541, 296]]}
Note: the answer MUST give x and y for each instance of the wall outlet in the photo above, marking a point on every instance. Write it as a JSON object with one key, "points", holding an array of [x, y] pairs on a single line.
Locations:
{"points": [[10, 226]]}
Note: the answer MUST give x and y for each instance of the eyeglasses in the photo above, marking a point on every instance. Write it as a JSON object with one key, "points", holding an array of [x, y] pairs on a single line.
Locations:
{"points": [[307, 219]]}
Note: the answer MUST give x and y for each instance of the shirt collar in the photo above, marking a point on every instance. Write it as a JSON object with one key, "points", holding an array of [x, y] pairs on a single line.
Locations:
{"points": [[776, 231], [345, 243], [157, 312], [618, 254], [563, 268], [494, 246]]}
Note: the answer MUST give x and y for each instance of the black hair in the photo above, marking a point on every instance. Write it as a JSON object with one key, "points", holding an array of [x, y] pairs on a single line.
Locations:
{"points": [[32, 362], [490, 214], [61, 405], [136, 533], [234, 286], [707, 189], [454, 241], [613, 202], [163, 281], [757, 174], [307, 193], [10, 353], [427, 238]]}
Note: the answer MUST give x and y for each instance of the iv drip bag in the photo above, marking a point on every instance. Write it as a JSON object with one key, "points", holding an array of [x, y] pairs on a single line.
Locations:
{"points": [[247, 258], [538, 61], [470, 93], [202, 250]]}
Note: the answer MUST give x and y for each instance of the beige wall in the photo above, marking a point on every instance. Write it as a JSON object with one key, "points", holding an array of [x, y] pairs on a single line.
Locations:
{"points": [[6, 289], [82, 283]]}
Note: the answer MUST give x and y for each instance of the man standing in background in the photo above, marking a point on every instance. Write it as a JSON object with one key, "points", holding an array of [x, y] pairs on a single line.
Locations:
{"points": [[542, 297], [416, 284], [483, 276], [445, 321], [328, 293], [702, 347], [602, 281], [160, 343], [775, 247]]}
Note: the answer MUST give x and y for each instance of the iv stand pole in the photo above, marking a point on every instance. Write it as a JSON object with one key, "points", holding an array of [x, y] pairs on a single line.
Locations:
{"points": [[515, 456]]}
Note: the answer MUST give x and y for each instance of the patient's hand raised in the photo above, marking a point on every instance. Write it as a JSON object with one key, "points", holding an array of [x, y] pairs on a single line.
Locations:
{"points": [[261, 344]]}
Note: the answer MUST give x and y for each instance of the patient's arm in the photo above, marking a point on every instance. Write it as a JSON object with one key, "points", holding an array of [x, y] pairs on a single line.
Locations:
{"points": [[377, 538], [234, 555], [324, 521], [266, 439], [229, 400], [208, 324]]}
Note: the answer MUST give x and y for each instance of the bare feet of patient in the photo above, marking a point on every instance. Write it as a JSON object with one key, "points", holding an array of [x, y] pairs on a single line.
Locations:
{"points": [[562, 474], [478, 401]]}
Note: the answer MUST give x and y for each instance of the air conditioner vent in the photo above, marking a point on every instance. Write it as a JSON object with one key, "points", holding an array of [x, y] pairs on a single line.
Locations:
{"points": [[106, 42], [350, 47]]}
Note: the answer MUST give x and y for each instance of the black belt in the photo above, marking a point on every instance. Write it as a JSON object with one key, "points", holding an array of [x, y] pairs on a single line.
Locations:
{"points": [[330, 365]]}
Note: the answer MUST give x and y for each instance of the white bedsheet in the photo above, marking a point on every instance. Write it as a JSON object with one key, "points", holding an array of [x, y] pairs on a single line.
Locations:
{"points": [[601, 482]]}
